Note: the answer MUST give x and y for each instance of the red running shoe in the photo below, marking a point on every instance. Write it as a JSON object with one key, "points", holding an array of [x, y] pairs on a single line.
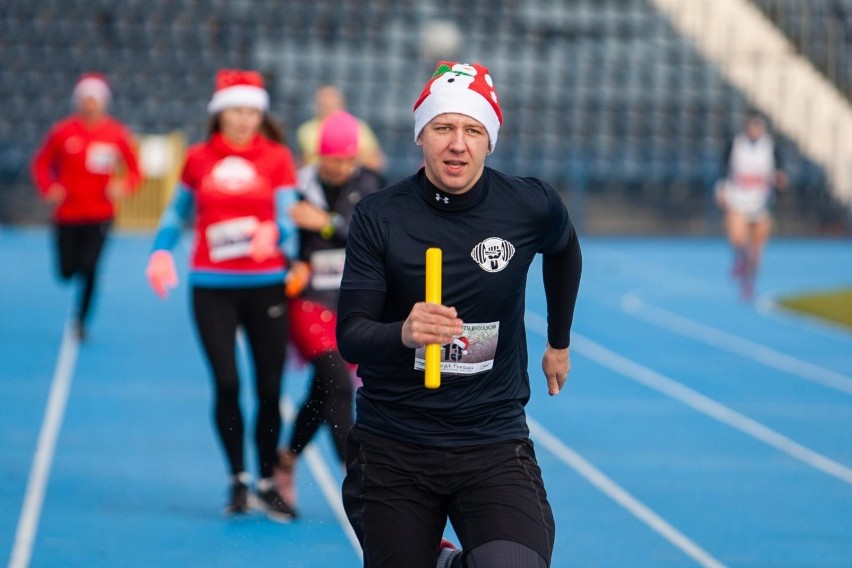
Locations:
{"points": [[447, 553]]}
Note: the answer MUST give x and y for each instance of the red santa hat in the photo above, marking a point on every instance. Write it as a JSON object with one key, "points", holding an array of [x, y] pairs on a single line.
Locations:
{"points": [[92, 85], [463, 88], [339, 135], [462, 343], [238, 88]]}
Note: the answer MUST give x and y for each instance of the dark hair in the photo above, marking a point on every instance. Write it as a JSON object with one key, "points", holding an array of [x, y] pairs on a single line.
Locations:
{"points": [[269, 128]]}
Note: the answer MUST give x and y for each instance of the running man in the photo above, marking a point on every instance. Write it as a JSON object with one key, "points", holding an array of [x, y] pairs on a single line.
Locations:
{"points": [[462, 452]]}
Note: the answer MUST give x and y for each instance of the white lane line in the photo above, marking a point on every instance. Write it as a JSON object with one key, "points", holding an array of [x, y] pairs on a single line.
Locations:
{"points": [[661, 317], [705, 405], [328, 485], [615, 492], [45, 449]]}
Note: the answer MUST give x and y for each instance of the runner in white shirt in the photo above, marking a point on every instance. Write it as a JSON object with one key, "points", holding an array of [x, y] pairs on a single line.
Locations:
{"points": [[753, 171]]}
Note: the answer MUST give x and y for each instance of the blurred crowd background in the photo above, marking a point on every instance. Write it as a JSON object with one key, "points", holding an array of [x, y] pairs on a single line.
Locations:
{"points": [[624, 105]]}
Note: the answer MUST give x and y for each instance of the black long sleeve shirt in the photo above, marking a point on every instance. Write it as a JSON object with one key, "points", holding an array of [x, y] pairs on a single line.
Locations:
{"points": [[489, 237]]}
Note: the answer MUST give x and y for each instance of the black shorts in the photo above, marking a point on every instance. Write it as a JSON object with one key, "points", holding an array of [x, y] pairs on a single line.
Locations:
{"points": [[79, 246], [398, 497]]}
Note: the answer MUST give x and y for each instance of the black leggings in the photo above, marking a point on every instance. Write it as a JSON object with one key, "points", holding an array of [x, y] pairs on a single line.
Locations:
{"points": [[329, 402], [262, 313], [501, 554], [79, 249]]}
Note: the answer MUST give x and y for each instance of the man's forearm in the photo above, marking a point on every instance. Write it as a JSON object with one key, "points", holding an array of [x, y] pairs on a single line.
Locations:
{"points": [[561, 273], [361, 337]]}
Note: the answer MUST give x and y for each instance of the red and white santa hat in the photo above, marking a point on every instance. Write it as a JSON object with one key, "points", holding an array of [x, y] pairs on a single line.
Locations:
{"points": [[463, 88], [92, 85], [462, 343], [238, 88]]}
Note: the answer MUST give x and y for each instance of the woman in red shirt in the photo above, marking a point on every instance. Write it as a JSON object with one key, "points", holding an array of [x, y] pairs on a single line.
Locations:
{"points": [[75, 171], [238, 187]]}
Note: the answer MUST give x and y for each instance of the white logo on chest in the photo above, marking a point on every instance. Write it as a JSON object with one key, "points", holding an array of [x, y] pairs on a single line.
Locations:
{"points": [[493, 254], [234, 174]]}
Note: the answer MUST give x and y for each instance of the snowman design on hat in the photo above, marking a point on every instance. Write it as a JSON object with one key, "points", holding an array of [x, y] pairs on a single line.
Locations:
{"points": [[456, 349], [459, 88], [459, 76]]}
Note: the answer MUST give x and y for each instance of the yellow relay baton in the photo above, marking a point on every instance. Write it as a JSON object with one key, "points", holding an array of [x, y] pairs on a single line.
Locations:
{"points": [[432, 376]]}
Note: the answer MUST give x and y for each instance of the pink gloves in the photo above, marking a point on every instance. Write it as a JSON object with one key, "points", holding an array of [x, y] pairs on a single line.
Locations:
{"points": [[161, 272], [264, 243]]}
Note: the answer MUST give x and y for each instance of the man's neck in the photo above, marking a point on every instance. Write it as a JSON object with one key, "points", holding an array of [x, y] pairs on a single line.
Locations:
{"points": [[444, 201]]}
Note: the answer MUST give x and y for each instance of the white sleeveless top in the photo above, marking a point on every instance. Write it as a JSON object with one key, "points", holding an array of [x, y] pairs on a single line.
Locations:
{"points": [[752, 169]]}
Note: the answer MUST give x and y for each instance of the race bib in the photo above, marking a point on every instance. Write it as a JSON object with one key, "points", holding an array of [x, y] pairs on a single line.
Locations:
{"points": [[468, 354], [230, 239], [327, 269], [101, 158]]}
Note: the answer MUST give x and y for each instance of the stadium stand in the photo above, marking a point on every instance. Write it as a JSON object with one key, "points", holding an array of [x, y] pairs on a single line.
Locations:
{"points": [[820, 30], [602, 97]]}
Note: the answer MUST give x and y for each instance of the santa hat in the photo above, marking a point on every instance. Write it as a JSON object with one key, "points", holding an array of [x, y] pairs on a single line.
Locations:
{"points": [[339, 134], [463, 88], [238, 88], [462, 343], [92, 85]]}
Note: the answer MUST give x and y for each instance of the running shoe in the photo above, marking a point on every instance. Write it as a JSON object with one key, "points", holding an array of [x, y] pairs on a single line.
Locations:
{"points": [[275, 507], [447, 553], [80, 331], [238, 502]]}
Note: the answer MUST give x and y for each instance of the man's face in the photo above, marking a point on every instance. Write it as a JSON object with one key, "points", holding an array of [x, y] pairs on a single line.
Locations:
{"points": [[336, 170], [454, 150], [327, 100]]}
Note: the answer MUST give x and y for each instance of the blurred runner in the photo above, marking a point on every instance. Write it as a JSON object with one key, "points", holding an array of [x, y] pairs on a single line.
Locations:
{"points": [[753, 170], [237, 187], [86, 163], [331, 189]]}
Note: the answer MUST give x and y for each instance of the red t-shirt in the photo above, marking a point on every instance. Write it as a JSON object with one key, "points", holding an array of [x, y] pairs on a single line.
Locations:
{"points": [[82, 158], [234, 191]]}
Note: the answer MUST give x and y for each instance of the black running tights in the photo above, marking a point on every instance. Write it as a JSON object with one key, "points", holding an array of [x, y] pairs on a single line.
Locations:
{"points": [[262, 313], [78, 248], [329, 402]]}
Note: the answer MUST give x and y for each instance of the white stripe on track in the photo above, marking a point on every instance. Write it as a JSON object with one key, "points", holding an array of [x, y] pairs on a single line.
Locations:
{"points": [[660, 383], [329, 487], [44, 451], [734, 344], [609, 488]]}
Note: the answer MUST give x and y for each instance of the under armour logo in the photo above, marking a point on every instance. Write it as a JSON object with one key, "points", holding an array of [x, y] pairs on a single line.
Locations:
{"points": [[439, 198]]}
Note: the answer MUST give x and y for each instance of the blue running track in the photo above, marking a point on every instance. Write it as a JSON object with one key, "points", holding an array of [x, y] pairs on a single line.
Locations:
{"points": [[696, 429]]}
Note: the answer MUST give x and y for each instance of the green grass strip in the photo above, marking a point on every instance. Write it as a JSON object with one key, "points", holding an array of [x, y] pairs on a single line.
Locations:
{"points": [[834, 306]]}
